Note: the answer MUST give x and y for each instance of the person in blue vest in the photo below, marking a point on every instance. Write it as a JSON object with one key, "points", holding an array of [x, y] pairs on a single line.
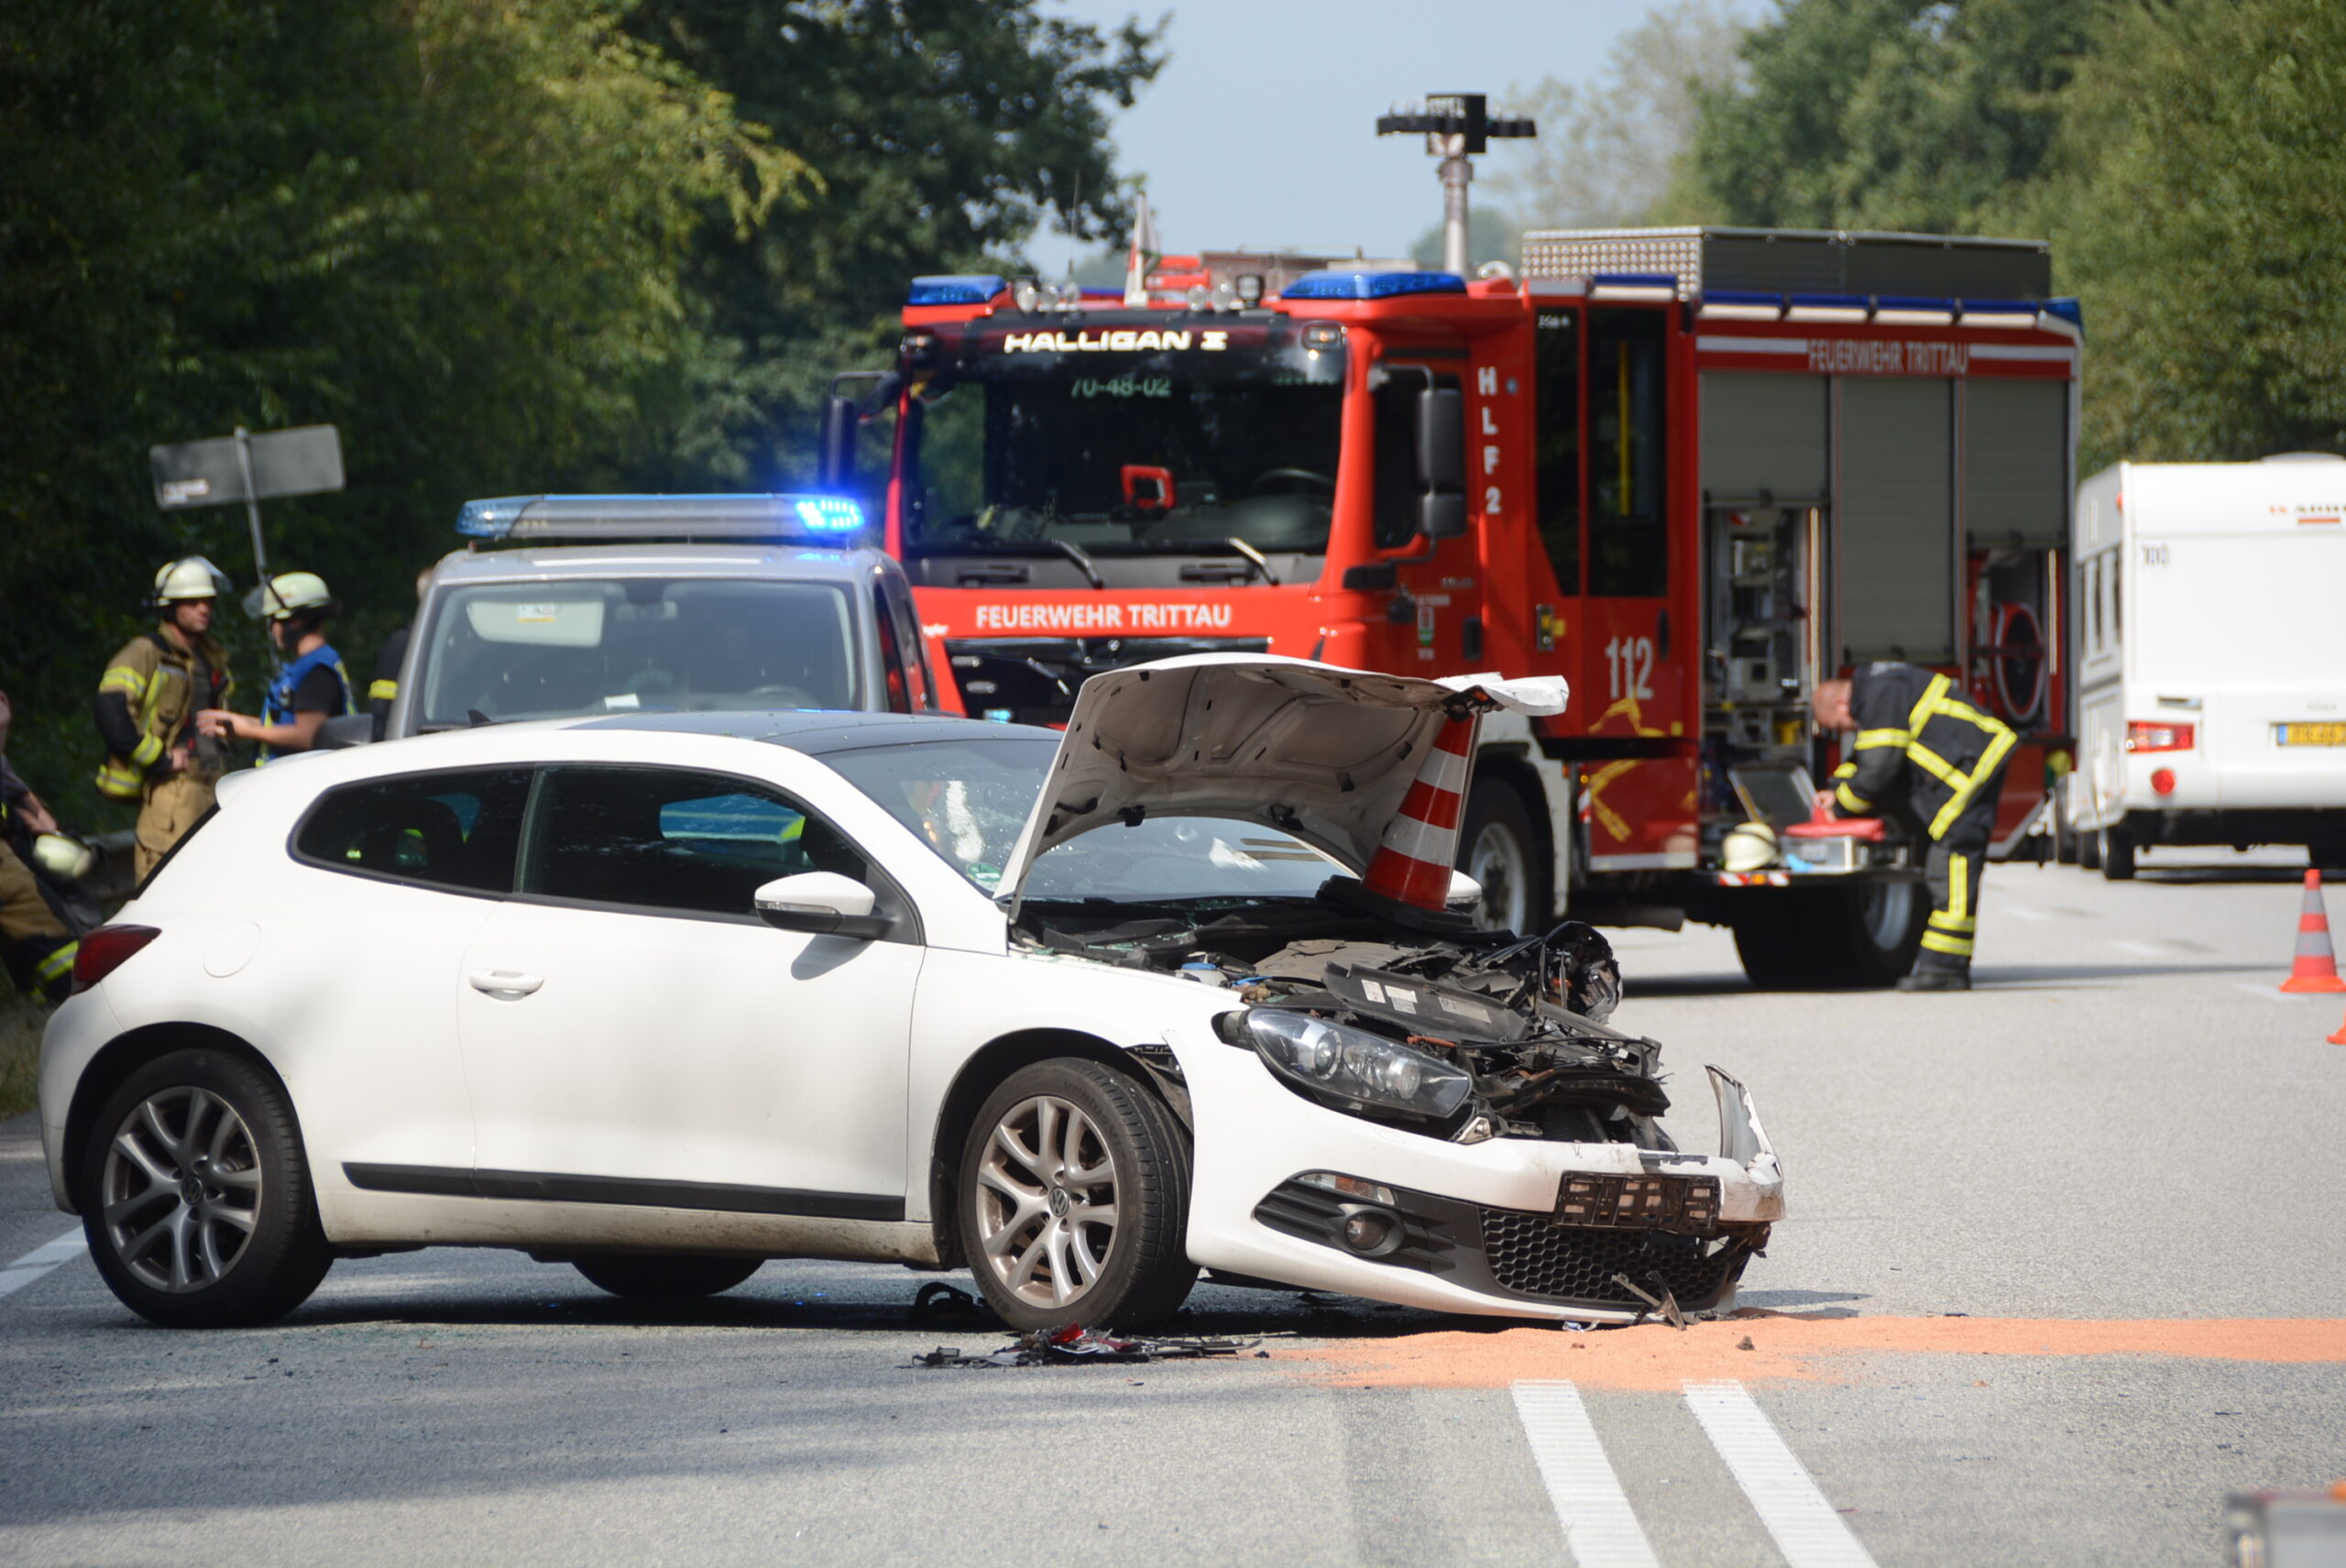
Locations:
{"points": [[313, 687]]}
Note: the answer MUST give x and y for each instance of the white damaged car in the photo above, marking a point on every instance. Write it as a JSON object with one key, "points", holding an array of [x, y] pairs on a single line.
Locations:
{"points": [[664, 996]]}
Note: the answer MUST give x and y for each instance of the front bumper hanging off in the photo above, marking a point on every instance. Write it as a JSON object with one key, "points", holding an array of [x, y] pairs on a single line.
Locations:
{"points": [[1511, 1227]]}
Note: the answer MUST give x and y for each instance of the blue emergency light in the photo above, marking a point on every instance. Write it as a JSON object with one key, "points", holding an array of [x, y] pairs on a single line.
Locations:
{"points": [[956, 289], [830, 519], [1338, 284]]}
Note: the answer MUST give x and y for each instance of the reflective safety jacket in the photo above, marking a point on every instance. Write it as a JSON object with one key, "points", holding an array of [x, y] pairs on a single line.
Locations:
{"points": [[148, 700], [277, 705], [1922, 746]]}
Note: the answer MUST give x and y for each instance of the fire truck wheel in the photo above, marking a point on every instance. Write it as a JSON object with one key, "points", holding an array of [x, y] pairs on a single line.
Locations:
{"points": [[1849, 938], [1500, 851], [2089, 849]]}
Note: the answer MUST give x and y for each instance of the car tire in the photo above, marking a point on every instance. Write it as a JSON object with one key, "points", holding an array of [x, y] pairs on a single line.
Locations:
{"points": [[196, 1197], [1833, 938], [2115, 851], [1107, 1249], [665, 1280], [1498, 847]]}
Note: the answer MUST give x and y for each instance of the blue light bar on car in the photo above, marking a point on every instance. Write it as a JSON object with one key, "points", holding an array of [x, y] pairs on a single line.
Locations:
{"points": [[829, 514], [956, 289], [1336, 284], [824, 519]]}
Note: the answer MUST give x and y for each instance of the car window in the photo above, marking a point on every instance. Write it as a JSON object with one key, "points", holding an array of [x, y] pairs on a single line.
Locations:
{"points": [[454, 831], [670, 838], [637, 645]]}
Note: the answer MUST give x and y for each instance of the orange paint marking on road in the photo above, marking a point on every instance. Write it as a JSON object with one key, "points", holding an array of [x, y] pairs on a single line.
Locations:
{"points": [[1813, 1346]]}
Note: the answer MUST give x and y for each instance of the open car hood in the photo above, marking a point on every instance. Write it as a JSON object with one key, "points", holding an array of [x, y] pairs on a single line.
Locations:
{"points": [[1323, 753]]}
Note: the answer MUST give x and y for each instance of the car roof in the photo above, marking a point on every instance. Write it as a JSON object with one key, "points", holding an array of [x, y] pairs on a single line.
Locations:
{"points": [[817, 733], [793, 563]]}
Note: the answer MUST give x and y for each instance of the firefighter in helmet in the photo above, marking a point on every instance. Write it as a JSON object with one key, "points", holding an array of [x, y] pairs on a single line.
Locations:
{"points": [[313, 687], [148, 702], [1932, 759]]}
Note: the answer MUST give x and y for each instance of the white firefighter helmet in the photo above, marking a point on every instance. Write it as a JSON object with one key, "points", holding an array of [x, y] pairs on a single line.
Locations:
{"points": [[189, 577], [290, 593], [1750, 847], [62, 859]]}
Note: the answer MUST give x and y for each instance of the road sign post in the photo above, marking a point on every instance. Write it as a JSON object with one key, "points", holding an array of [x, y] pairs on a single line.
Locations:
{"points": [[304, 461]]}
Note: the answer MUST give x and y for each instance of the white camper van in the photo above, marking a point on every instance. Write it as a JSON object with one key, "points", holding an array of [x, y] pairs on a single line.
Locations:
{"points": [[2210, 648]]}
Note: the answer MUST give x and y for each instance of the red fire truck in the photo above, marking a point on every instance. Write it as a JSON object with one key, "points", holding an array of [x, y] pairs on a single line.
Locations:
{"points": [[1693, 470]]}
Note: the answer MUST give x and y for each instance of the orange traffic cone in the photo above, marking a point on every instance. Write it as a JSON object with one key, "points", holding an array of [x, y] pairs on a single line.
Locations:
{"points": [[2316, 966], [2339, 1039], [1412, 864]]}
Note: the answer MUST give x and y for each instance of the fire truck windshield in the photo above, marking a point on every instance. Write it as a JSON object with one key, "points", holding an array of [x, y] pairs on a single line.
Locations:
{"points": [[1178, 451]]}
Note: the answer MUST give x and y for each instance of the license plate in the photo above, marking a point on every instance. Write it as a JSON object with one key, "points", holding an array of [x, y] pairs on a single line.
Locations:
{"points": [[2310, 734], [1656, 1203]]}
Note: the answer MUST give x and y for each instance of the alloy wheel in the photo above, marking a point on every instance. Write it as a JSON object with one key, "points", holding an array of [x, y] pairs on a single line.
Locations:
{"points": [[1046, 1201], [180, 1190]]}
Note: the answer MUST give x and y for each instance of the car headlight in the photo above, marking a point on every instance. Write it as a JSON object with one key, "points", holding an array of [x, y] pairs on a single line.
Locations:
{"points": [[1353, 1064]]}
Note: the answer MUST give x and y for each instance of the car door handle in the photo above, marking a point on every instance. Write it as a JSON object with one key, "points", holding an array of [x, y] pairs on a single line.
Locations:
{"points": [[504, 981]]}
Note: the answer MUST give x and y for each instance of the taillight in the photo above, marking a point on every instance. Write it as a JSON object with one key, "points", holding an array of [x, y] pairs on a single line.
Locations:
{"points": [[2142, 737], [103, 951]]}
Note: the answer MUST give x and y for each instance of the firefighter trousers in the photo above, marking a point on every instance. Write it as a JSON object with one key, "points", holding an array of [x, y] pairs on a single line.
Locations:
{"points": [[170, 806], [36, 946], [1952, 874]]}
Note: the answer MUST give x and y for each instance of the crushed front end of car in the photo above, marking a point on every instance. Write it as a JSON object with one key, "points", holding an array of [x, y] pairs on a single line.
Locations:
{"points": [[1446, 1122], [1384, 1099]]}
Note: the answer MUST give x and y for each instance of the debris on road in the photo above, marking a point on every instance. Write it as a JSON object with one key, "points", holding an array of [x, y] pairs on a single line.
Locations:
{"points": [[1075, 1345]]}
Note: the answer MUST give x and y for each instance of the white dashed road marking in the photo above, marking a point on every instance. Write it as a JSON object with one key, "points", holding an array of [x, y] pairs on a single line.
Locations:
{"points": [[1599, 1524], [2026, 914], [1807, 1531], [2141, 949], [40, 1260]]}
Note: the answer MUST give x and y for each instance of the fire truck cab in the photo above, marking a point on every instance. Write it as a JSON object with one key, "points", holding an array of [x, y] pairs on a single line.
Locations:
{"points": [[1694, 471]]}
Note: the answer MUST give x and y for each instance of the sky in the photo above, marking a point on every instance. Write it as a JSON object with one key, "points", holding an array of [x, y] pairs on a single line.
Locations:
{"points": [[1261, 132]]}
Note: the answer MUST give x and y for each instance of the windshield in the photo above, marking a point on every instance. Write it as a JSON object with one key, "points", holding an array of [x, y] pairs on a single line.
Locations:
{"points": [[580, 645], [1025, 448], [968, 801]]}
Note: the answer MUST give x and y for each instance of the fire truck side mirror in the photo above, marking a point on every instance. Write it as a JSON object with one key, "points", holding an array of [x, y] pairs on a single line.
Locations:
{"points": [[1441, 515], [1441, 463], [835, 449]]}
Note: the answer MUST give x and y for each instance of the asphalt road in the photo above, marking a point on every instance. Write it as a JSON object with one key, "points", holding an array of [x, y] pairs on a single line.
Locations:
{"points": [[2119, 1161]]}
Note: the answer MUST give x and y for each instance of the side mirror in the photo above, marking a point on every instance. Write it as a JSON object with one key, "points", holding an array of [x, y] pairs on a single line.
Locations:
{"points": [[1442, 439], [348, 729], [822, 904], [1465, 897], [834, 447], [1441, 463], [1441, 515]]}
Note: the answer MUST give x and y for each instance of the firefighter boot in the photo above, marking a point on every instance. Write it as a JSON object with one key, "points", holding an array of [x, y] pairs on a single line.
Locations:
{"points": [[1938, 972]]}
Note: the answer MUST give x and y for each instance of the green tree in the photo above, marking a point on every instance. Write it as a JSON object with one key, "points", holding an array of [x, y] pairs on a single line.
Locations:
{"points": [[1913, 115], [943, 132], [454, 229], [2197, 205]]}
